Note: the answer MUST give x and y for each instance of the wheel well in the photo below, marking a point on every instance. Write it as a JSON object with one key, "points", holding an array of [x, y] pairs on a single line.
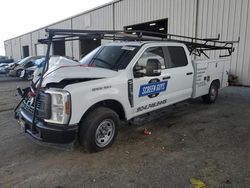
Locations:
{"points": [[217, 82], [112, 104], [19, 70]]}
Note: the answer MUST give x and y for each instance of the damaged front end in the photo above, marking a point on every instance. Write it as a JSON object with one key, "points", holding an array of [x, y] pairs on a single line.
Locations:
{"points": [[51, 116], [44, 113]]}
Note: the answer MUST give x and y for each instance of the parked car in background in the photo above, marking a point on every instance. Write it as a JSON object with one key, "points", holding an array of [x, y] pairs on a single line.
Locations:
{"points": [[23, 64], [3, 69], [7, 61], [28, 73], [12, 65]]}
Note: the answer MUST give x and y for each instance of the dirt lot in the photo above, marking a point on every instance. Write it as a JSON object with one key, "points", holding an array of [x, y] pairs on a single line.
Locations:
{"points": [[208, 142]]}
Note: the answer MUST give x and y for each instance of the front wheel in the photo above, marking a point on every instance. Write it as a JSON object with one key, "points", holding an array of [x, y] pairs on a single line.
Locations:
{"points": [[18, 72], [98, 129], [212, 94], [29, 76]]}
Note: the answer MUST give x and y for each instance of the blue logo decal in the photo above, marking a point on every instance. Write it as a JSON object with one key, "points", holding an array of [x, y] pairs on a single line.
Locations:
{"points": [[153, 88]]}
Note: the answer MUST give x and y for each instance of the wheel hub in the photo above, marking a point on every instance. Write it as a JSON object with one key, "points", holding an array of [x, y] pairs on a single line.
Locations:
{"points": [[104, 133]]}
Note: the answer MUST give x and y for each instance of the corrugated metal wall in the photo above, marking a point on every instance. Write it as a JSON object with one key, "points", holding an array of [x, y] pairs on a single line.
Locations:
{"points": [[180, 14], [230, 18], [8, 48], [34, 37], [66, 24], [16, 48], [99, 19]]}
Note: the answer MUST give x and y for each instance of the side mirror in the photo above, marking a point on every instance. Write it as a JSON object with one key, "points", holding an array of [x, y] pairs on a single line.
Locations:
{"points": [[153, 67], [139, 71]]}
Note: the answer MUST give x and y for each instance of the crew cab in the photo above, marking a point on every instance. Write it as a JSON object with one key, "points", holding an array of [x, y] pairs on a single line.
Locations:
{"points": [[116, 82]]}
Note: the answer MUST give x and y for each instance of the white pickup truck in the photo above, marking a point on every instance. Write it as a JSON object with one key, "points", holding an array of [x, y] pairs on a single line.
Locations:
{"points": [[116, 82]]}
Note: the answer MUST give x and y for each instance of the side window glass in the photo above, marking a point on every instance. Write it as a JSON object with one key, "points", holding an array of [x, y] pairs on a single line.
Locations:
{"points": [[29, 64], [152, 53], [175, 56]]}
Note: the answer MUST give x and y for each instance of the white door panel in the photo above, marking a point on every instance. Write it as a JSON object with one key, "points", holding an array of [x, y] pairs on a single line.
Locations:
{"points": [[181, 73], [150, 92], [180, 84]]}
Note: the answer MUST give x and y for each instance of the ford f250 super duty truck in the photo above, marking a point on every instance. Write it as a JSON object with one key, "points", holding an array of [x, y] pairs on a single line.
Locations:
{"points": [[117, 81]]}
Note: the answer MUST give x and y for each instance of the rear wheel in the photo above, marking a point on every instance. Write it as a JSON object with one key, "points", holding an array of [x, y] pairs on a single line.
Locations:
{"points": [[212, 94], [98, 129]]}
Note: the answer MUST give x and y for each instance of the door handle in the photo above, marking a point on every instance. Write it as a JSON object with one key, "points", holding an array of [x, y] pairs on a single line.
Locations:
{"points": [[166, 78], [189, 73]]}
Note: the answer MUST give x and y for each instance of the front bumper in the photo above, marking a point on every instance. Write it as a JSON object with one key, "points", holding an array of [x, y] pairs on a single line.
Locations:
{"points": [[45, 132]]}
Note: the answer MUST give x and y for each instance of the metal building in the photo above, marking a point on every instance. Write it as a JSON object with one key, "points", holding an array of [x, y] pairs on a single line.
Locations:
{"points": [[197, 18]]}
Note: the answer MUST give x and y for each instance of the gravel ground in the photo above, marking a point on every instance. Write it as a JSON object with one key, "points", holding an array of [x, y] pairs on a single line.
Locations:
{"points": [[207, 142]]}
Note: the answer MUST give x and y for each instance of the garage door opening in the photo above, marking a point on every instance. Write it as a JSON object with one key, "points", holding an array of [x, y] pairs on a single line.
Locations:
{"points": [[159, 26], [59, 48], [87, 45], [26, 51]]}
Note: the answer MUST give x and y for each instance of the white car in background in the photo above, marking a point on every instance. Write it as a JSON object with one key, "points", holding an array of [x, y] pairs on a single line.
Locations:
{"points": [[28, 73], [3, 70], [23, 64]]}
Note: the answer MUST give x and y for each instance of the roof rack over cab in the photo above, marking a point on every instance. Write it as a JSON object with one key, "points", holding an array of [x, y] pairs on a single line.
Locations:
{"points": [[196, 46]]}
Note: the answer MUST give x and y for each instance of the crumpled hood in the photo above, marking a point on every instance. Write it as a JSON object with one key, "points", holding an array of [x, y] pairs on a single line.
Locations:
{"points": [[65, 68]]}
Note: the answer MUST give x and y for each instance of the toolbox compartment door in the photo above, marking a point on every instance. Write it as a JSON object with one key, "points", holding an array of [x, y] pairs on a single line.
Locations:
{"points": [[206, 71], [200, 86], [226, 70]]}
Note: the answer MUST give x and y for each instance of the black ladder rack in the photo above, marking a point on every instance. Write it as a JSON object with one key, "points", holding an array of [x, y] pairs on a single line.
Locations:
{"points": [[196, 46]]}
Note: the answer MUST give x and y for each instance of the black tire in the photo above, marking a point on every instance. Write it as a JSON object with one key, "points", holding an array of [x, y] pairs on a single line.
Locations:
{"points": [[212, 95], [18, 72], [101, 122], [29, 77]]}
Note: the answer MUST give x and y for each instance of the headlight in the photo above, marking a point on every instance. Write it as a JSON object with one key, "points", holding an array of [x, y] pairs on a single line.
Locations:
{"points": [[60, 107]]}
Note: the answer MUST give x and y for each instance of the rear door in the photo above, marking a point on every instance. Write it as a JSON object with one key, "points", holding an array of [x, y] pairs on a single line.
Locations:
{"points": [[180, 72]]}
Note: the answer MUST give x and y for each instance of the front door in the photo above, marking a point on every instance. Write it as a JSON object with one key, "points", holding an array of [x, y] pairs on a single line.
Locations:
{"points": [[150, 91]]}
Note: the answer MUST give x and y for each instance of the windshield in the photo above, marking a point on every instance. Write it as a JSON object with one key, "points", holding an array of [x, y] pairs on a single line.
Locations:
{"points": [[87, 58], [23, 60], [110, 57]]}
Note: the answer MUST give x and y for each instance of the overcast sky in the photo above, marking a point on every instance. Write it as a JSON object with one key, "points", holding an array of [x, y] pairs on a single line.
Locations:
{"points": [[21, 16]]}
